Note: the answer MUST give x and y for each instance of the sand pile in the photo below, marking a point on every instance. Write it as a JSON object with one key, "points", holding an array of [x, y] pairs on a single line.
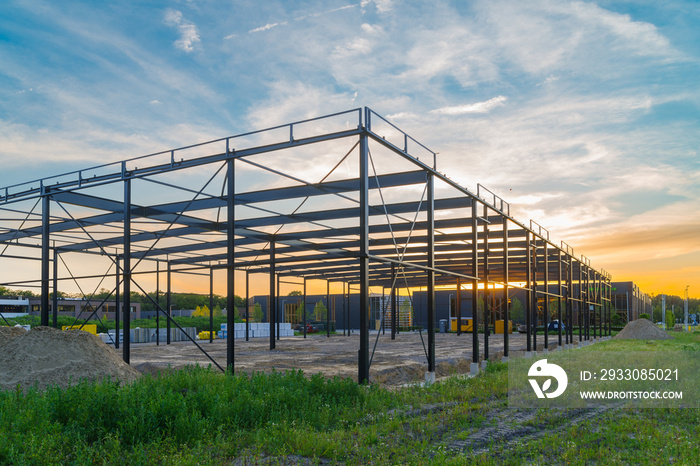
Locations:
{"points": [[642, 329], [46, 356]]}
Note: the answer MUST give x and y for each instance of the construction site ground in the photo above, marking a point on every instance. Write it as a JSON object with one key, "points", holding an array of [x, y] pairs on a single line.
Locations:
{"points": [[394, 362]]}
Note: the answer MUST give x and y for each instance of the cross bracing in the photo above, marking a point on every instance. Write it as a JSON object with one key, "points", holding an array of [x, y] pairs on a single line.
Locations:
{"points": [[347, 197]]}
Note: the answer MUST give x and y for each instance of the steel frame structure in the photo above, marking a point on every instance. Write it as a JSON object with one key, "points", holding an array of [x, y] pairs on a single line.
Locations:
{"points": [[397, 222]]}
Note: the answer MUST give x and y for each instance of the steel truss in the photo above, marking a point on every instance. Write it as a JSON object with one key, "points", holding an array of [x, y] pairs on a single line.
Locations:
{"points": [[397, 223]]}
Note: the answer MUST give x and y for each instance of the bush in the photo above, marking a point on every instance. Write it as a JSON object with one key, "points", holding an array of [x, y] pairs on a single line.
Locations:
{"points": [[645, 316]]}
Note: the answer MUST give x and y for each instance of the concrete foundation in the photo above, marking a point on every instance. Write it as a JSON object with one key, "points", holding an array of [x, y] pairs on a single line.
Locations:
{"points": [[474, 370]]}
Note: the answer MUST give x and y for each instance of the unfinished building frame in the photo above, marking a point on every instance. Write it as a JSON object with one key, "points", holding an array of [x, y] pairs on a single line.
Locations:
{"points": [[346, 198]]}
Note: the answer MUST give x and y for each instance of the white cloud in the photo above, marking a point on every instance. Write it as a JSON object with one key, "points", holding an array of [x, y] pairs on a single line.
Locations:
{"points": [[188, 31], [384, 6], [155, 102], [267, 27], [479, 107]]}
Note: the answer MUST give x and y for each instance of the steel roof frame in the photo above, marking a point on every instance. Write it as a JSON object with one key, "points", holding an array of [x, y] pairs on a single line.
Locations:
{"points": [[358, 242]]}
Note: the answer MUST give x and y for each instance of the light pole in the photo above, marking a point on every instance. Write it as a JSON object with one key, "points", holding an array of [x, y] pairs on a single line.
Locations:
{"points": [[685, 310]]}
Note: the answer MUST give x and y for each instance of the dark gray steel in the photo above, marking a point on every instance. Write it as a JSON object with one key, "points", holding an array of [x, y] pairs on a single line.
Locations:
{"points": [[530, 292], [506, 301], [45, 258], [168, 302], [363, 214], [394, 309], [430, 207], [475, 284], [116, 303], [230, 263], [247, 305], [126, 349], [272, 305], [211, 305], [55, 288]]}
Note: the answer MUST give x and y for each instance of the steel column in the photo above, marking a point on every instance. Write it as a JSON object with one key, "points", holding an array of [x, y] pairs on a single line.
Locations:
{"points": [[363, 214], [45, 256], [545, 303], [168, 302], [247, 305], [528, 285], [535, 298], [475, 282], [157, 303], [54, 305], [560, 293], [211, 304], [303, 311], [393, 302], [272, 305], [126, 348], [328, 309], [116, 304], [230, 263], [487, 304], [506, 301], [431, 274]]}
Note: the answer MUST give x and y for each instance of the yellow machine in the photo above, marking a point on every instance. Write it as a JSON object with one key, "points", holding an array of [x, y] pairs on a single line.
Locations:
{"points": [[204, 335], [90, 328], [499, 326], [466, 325]]}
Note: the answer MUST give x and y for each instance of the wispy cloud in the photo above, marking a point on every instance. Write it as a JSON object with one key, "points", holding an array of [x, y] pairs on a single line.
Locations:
{"points": [[188, 31], [479, 107], [267, 27]]}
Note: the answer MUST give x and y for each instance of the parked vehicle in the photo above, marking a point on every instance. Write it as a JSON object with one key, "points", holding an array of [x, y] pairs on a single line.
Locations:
{"points": [[554, 325], [309, 328]]}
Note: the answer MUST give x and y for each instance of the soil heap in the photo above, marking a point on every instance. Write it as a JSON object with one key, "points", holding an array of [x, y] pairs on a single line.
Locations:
{"points": [[642, 329], [46, 356]]}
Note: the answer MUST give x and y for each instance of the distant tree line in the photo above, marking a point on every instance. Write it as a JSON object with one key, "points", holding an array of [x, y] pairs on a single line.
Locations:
{"points": [[177, 300]]}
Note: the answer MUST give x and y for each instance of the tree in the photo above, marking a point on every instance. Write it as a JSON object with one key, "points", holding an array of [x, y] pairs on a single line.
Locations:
{"points": [[669, 320], [517, 311], [202, 311], [320, 311], [616, 320], [257, 313], [295, 293]]}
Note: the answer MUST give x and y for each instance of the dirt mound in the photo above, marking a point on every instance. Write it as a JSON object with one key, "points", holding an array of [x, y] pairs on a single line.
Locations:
{"points": [[642, 329], [45, 356]]}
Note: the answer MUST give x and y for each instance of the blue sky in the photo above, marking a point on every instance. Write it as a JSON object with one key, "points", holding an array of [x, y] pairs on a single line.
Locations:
{"points": [[584, 115]]}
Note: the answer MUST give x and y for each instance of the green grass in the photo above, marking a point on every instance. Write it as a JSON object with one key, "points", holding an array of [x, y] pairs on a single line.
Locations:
{"points": [[199, 416]]}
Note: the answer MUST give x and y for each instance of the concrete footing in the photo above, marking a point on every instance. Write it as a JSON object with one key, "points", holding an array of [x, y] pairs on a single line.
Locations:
{"points": [[429, 378], [474, 369], [483, 365], [504, 359]]}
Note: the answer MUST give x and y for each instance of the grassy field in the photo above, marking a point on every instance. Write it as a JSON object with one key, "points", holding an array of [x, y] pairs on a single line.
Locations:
{"points": [[198, 416]]}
